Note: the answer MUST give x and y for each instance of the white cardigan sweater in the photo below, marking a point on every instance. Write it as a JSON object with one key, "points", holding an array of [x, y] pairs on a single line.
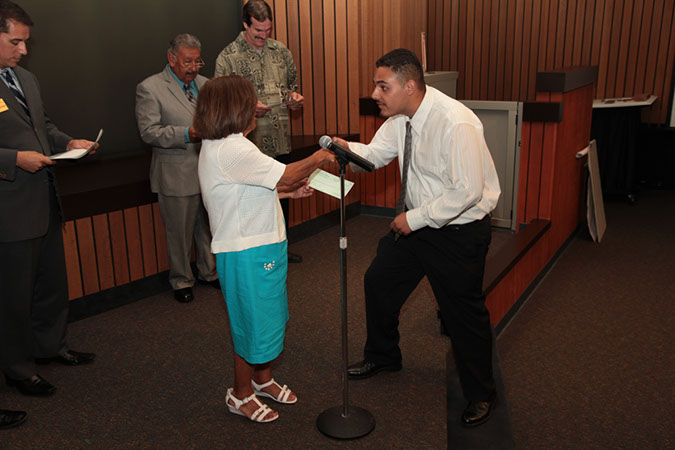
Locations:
{"points": [[238, 184]]}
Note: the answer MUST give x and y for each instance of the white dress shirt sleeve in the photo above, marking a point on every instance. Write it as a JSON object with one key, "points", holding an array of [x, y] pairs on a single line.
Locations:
{"points": [[384, 147]]}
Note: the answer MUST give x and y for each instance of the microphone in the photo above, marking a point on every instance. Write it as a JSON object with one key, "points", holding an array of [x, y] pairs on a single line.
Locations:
{"points": [[346, 154]]}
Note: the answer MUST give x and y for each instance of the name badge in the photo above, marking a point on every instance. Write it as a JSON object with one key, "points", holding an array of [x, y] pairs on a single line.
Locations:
{"points": [[3, 106]]}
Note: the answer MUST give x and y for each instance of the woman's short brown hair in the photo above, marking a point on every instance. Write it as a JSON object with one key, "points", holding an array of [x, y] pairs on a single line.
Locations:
{"points": [[225, 106]]}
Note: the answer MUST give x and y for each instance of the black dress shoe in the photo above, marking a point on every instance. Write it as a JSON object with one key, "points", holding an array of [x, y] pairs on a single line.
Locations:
{"points": [[35, 386], [294, 258], [213, 283], [69, 358], [478, 412], [183, 295], [9, 419], [365, 369]]}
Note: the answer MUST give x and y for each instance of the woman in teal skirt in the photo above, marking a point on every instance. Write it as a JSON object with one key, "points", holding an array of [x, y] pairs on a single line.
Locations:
{"points": [[241, 188]]}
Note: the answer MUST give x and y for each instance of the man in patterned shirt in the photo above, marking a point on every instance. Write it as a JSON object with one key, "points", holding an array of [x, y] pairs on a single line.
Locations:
{"points": [[269, 65]]}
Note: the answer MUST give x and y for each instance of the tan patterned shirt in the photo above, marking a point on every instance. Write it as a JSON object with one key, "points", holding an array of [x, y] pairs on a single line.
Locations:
{"points": [[273, 74]]}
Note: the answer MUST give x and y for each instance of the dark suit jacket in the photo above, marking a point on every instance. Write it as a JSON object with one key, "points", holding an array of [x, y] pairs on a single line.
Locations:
{"points": [[24, 196]]}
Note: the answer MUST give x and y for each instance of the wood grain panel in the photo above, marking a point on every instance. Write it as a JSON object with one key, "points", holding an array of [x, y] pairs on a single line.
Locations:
{"points": [[341, 64], [528, 80], [665, 71], [280, 31], [522, 170], [547, 170], [494, 50], [535, 168], [509, 70], [631, 42], [145, 220], [160, 239], [293, 44], [104, 260], [72, 260], [87, 251], [518, 50], [306, 65], [134, 248], [353, 48], [330, 58], [118, 242]]}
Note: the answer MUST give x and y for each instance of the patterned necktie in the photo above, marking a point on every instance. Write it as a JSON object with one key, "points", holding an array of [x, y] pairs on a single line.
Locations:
{"points": [[400, 204], [189, 94], [17, 93]]}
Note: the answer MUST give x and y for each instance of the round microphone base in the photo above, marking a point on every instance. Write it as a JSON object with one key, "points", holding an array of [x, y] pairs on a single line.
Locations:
{"points": [[357, 423]]}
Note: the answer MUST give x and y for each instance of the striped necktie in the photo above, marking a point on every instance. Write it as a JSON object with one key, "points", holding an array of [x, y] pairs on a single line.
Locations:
{"points": [[407, 148], [189, 94], [15, 90]]}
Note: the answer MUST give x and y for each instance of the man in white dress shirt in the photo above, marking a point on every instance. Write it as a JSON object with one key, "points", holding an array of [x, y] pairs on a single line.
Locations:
{"points": [[441, 230]]}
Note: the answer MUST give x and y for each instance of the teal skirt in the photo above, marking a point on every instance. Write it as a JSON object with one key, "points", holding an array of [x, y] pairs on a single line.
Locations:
{"points": [[253, 282]]}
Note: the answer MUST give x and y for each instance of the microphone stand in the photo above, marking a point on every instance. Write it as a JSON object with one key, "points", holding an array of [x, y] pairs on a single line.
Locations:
{"points": [[344, 422]]}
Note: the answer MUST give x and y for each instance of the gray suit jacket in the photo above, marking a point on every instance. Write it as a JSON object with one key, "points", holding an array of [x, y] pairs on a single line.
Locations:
{"points": [[162, 113], [24, 196]]}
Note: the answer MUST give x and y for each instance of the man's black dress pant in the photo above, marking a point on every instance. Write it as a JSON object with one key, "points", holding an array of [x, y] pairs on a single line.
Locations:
{"points": [[453, 259]]}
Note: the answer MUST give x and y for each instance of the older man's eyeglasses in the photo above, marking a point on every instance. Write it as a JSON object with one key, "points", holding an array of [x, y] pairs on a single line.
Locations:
{"points": [[188, 62], [198, 63]]}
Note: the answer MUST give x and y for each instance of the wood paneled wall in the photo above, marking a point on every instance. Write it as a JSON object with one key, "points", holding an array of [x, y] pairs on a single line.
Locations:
{"points": [[335, 44], [113, 249], [498, 46], [323, 37], [385, 26]]}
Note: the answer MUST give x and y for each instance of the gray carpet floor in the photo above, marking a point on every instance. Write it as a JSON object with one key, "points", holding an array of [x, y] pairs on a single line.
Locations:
{"points": [[587, 362]]}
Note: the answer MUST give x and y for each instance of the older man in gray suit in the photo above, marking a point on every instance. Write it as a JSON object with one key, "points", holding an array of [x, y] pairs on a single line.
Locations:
{"points": [[165, 104], [33, 285]]}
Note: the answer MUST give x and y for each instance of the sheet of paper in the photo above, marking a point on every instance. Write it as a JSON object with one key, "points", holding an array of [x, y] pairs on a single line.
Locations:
{"points": [[78, 152], [328, 183]]}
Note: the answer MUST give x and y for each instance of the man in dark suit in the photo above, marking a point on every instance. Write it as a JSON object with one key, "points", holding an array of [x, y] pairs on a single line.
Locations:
{"points": [[33, 284], [165, 104]]}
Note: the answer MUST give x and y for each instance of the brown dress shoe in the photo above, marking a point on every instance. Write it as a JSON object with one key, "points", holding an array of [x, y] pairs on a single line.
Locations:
{"points": [[477, 413]]}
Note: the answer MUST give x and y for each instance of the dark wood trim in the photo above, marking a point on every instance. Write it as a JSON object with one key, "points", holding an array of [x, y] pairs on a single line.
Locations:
{"points": [[566, 80], [93, 187], [100, 201], [497, 266], [102, 301], [378, 211], [542, 111]]}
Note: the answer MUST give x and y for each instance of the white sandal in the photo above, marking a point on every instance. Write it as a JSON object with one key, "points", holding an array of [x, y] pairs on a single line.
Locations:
{"points": [[281, 398], [259, 415]]}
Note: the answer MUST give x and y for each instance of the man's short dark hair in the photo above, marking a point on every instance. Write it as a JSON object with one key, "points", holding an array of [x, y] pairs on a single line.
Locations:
{"points": [[405, 65], [11, 11], [258, 10]]}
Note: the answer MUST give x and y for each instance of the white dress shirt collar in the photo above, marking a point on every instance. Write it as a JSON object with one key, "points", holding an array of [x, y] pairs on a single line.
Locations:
{"points": [[420, 117]]}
